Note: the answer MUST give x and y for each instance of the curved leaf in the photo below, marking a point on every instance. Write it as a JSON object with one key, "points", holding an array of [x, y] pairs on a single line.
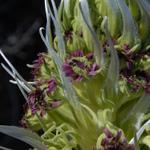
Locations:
{"points": [[24, 135], [98, 51], [56, 23], [140, 132], [130, 33], [113, 70], [4, 148]]}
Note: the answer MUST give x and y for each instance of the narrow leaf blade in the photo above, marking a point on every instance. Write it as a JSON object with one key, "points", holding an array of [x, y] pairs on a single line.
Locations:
{"points": [[24, 135], [4, 148], [61, 44], [98, 51], [113, 70]]}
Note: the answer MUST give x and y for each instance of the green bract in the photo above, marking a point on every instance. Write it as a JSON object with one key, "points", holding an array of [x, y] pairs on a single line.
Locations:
{"points": [[91, 90]]}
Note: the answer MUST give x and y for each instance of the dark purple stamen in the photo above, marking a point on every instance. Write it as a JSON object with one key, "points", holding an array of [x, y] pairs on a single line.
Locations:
{"points": [[36, 102], [52, 85], [77, 53], [32, 97], [130, 80], [90, 56], [93, 69], [78, 63], [79, 78], [69, 71]]}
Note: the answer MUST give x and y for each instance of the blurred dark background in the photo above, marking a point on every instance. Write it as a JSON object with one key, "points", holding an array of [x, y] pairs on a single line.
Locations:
{"points": [[20, 41]]}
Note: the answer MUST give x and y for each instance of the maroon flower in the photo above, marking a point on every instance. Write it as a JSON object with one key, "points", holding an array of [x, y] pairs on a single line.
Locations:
{"points": [[36, 101], [115, 142], [78, 65]]}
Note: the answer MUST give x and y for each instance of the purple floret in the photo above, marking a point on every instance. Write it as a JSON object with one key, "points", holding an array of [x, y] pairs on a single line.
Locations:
{"points": [[73, 61], [52, 85], [37, 64], [115, 142], [33, 101]]}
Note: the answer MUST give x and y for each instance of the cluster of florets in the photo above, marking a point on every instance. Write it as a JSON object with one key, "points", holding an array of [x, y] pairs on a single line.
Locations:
{"points": [[37, 101], [115, 142], [133, 70], [78, 66]]}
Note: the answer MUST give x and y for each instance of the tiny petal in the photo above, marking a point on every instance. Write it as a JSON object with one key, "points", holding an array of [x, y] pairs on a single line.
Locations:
{"points": [[93, 69], [55, 103], [107, 133], [77, 53], [90, 56], [52, 85]]}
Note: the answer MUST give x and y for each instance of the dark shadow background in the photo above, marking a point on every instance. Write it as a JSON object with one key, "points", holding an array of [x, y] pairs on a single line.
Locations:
{"points": [[20, 41]]}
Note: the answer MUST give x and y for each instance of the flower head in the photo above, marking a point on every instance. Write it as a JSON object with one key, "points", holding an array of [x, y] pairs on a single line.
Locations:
{"points": [[79, 66], [36, 102], [115, 142]]}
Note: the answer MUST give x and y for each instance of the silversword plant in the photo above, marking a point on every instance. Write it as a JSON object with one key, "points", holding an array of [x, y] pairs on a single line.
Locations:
{"points": [[91, 89]]}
